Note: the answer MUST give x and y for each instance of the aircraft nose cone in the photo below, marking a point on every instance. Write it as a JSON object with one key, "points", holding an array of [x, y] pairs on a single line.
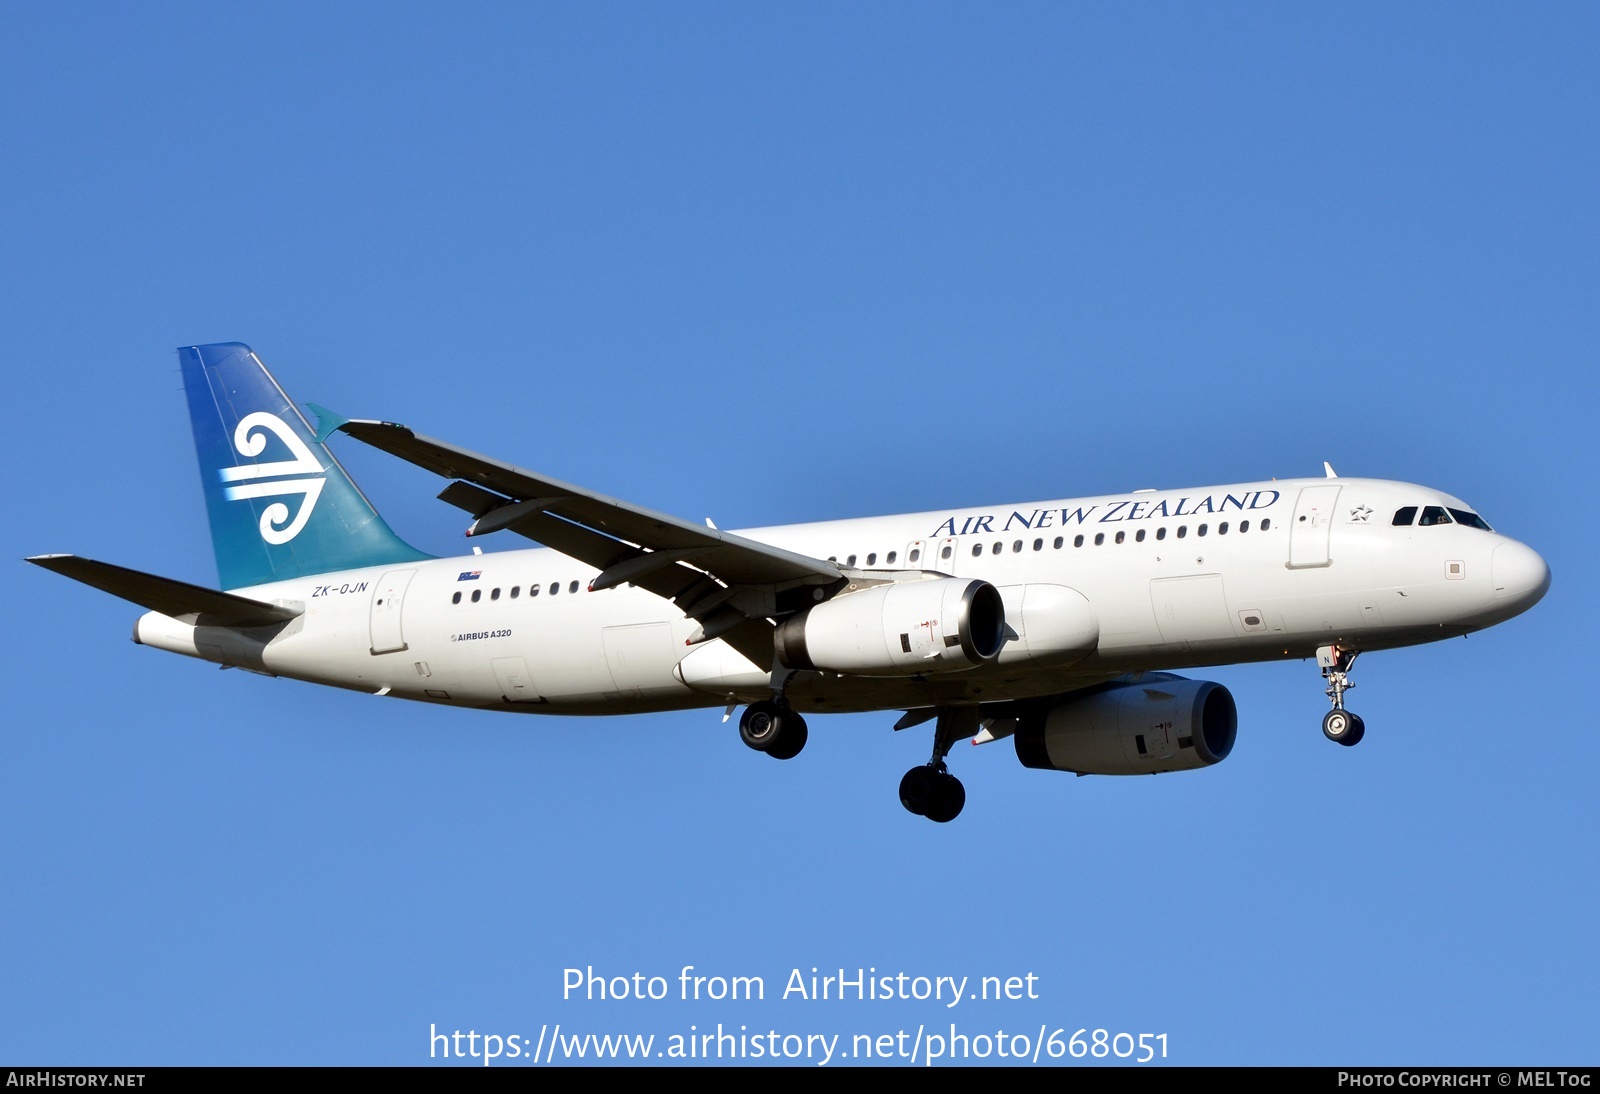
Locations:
{"points": [[1520, 575]]}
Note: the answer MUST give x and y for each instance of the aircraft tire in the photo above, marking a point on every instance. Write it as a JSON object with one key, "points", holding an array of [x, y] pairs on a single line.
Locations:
{"points": [[1357, 731], [918, 789], [761, 725], [949, 798], [1343, 728], [791, 738]]}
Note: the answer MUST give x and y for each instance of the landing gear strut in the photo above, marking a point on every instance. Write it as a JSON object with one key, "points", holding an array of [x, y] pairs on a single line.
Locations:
{"points": [[930, 790], [1339, 725], [772, 726]]}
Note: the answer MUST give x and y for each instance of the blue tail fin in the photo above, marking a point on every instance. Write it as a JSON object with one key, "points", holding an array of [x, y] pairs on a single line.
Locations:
{"points": [[280, 504]]}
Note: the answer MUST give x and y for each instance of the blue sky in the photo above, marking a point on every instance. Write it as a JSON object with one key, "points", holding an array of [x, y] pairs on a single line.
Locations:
{"points": [[776, 263]]}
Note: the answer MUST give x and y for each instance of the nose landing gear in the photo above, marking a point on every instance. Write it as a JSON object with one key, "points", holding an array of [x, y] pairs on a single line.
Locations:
{"points": [[930, 790], [1339, 725]]}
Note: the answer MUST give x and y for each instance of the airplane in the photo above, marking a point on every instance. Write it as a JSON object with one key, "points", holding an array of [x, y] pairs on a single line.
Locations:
{"points": [[1058, 624]]}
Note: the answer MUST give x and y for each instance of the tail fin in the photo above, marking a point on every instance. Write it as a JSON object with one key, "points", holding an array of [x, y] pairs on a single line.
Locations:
{"points": [[280, 504]]}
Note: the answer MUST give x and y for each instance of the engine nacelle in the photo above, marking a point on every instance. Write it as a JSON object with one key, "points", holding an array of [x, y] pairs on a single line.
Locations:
{"points": [[901, 629], [1159, 722]]}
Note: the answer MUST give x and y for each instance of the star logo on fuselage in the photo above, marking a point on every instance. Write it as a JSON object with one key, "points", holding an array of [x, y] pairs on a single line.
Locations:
{"points": [[1360, 513]]}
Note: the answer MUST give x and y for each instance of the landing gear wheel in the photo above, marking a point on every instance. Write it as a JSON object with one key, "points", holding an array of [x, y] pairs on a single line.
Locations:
{"points": [[773, 728], [948, 799], [919, 788], [1357, 732], [930, 792], [1342, 727], [791, 738], [761, 725]]}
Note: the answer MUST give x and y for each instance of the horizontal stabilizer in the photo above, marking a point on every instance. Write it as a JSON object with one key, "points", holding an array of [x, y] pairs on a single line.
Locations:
{"points": [[178, 599]]}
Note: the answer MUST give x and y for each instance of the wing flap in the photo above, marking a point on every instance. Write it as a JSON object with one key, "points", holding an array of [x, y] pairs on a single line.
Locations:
{"points": [[575, 541], [184, 602]]}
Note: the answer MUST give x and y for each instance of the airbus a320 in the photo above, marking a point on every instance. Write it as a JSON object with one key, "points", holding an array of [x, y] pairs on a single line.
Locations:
{"points": [[1055, 623]]}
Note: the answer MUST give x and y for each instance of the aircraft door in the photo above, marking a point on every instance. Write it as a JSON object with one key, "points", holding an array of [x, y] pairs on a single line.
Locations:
{"points": [[387, 601], [1312, 523], [944, 556]]}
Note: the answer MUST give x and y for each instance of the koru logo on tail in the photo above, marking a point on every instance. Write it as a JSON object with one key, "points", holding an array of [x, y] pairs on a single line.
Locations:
{"points": [[249, 437]]}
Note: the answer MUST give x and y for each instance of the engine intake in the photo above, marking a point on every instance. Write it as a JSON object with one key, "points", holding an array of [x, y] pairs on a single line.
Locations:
{"points": [[900, 629], [1158, 722]]}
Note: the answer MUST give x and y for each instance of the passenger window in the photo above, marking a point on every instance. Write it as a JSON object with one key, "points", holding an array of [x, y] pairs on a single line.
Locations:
{"points": [[1038, 545], [1200, 531], [477, 595], [998, 547], [1161, 533], [495, 595], [1016, 548], [1059, 542], [1244, 526], [1099, 538], [456, 599], [1404, 516], [914, 556], [851, 561], [516, 591], [1138, 537], [555, 587], [1222, 529], [1121, 536], [573, 587], [872, 558], [533, 590], [1434, 514], [1077, 541], [834, 559], [1183, 530], [977, 549], [1265, 524], [945, 553], [892, 556]]}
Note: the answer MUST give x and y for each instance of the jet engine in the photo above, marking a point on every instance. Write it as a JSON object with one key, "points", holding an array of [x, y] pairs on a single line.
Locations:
{"points": [[1157, 722], [899, 629]]}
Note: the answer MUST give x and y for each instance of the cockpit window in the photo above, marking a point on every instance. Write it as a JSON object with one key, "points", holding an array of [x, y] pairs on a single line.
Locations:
{"points": [[1434, 514], [1405, 516], [1471, 520]]}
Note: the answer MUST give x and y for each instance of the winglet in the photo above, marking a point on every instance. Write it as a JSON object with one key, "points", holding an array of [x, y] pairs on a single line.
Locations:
{"points": [[328, 423]]}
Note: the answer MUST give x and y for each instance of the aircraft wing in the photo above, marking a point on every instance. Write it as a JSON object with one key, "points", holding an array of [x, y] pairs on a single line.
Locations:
{"points": [[723, 580]]}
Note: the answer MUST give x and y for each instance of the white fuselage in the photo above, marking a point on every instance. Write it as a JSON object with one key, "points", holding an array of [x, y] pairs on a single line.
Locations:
{"points": [[1175, 579]]}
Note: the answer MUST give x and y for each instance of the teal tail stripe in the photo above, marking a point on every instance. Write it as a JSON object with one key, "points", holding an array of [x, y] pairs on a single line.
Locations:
{"points": [[280, 505]]}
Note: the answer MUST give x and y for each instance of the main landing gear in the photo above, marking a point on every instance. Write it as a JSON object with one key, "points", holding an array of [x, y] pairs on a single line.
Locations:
{"points": [[1339, 725], [930, 790], [772, 726]]}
